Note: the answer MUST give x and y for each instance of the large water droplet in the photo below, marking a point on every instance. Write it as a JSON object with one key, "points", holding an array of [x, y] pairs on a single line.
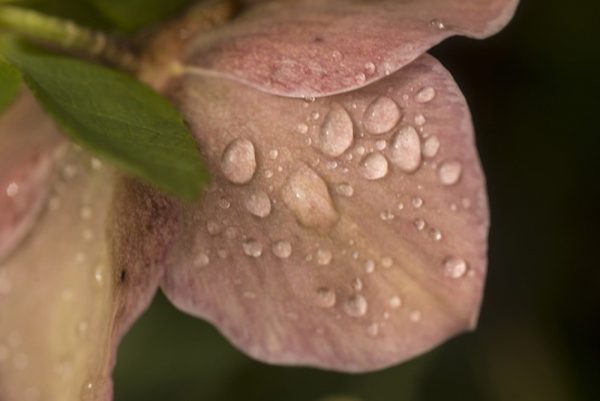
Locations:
{"points": [[450, 172], [454, 267], [431, 146], [259, 204], [356, 305], [337, 132], [306, 194], [381, 115], [325, 297], [282, 249], [252, 248], [425, 95], [406, 149], [374, 166], [239, 161]]}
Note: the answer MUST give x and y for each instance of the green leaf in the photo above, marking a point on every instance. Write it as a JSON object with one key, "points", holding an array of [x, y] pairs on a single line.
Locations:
{"points": [[10, 83], [131, 15], [118, 118]]}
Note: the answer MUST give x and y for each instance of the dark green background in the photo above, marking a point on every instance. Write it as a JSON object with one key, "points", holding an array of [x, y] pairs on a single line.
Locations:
{"points": [[533, 91]]}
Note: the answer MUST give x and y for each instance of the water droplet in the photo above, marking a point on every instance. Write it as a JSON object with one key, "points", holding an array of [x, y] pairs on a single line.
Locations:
{"points": [[373, 329], [381, 116], [224, 203], [12, 189], [361, 78], [370, 67], [302, 128], [306, 194], [369, 266], [395, 302], [282, 249], [213, 227], [431, 146], [400, 206], [324, 256], [419, 224], [406, 149], [386, 215], [239, 161], [337, 132], [357, 284], [96, 163], [325, 297], [387, 262], [273, 154], [345, 189], [437, 24], [425, 95], [435, 234], [259, 204], [201, 260], [417, 202], [415, 316], [374, 166], [420, 120], [356, 305], [450, 172], [252, 248], [454, 267]]}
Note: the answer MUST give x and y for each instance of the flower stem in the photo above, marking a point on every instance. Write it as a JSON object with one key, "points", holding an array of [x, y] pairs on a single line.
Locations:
{"points": [[66, 35]]}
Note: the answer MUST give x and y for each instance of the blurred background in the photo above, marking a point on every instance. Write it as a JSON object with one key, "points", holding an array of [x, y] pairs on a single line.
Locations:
{"points": [[533, 91]]}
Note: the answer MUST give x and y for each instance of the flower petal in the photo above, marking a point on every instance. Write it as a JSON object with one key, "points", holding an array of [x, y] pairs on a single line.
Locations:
{"points": [[68, 293], [27, 142], [314, 48], [351, 260]]}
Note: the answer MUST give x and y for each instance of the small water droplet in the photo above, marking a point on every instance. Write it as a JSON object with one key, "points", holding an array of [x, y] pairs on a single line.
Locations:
{"points": [[400, 206], [306, 194], [425, 95], [238, 162], [417, 202], [337, 132], [373, 329], [224, 203], [273, 154], [357, 284], [419, 224], [12, 190], [374, 166], [259, 204], [406, 149], [435, 234], [356, 305], [450, 172], [282, 249], [420, 120], [386, 215], [302, 128], [381, 116], [370, 67], [324, 256], [201, 260], [415, 316], [387, 262], [437, 24], [213, 227], [431, 146], [395, 302], [454, 267], [252, 248], [325, 297], [369, 266], [345, 189], [360, 78]]}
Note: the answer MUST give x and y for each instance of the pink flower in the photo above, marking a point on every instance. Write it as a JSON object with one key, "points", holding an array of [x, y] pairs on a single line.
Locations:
{"points": [[345, 228]]}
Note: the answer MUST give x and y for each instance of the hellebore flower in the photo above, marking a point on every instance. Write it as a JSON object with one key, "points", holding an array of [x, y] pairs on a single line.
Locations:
{"points": [[345, 227]]}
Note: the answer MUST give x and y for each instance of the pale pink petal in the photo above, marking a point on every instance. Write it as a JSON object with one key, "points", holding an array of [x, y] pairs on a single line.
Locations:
{"points": [[27, 143], [349, 259], [88, 268], [305, 48]]}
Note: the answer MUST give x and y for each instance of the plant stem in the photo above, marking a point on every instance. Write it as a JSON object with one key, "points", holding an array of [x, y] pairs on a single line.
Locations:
{"points": [[66, 35]]}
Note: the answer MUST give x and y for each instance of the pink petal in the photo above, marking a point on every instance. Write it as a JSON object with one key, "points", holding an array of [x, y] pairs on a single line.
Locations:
{"points": [[68, 293], [309, 48], [27, 143], [351, 262]]}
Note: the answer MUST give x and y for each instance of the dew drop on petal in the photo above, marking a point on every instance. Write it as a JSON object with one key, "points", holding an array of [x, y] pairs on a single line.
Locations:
{"points": [[325, 297], [369, 266], [252, 248], [306, 195], [425, 95], [406, 149], [324, 256], [395, 302], [282, 249], [12, 190], [381, 115], [417, 202], [337, 132], [431, 146], [259, 204], [373, 329], [356, 305], [201, 260], [345, 189], [450, 172], [238, 162], [374, 166], [454, 267]]}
